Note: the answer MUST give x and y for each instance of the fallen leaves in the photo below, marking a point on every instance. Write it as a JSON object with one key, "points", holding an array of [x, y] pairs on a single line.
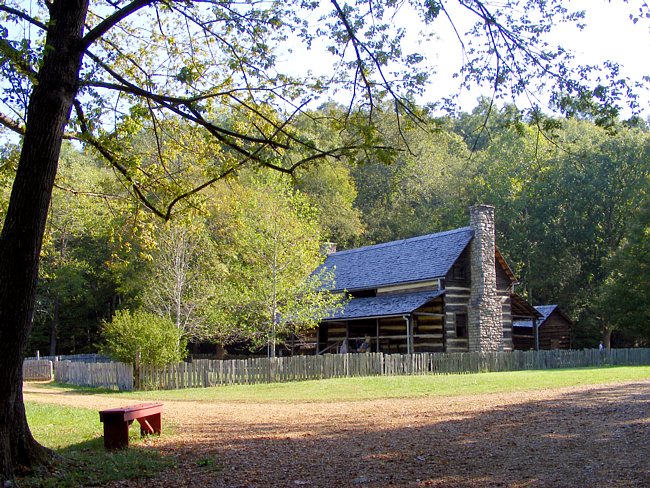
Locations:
{"points": [[585, 436]]}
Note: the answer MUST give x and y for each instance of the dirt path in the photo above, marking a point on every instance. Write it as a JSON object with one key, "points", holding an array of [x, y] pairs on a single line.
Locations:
{"points": [[568, 437]]}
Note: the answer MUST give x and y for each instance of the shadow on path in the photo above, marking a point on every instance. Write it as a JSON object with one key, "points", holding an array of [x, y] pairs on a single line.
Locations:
{"points": [[592, 437]]}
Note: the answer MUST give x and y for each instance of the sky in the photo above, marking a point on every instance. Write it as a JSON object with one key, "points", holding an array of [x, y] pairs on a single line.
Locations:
{"points": [[609, 35]]}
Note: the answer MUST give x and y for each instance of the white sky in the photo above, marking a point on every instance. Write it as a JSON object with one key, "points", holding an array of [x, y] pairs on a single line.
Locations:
{"points": [[609, 35]]}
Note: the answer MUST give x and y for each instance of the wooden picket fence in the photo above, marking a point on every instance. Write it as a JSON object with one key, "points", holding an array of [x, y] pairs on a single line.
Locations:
{"points": [[115, 376], [37, 370], [204, 373]]}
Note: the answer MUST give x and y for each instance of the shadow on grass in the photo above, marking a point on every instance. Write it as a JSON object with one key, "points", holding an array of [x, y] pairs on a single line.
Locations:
{"points": [[89, 464], [68, 389]]}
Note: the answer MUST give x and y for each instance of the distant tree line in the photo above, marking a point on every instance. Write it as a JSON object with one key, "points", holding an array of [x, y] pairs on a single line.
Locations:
{"points": [[571, 202]]}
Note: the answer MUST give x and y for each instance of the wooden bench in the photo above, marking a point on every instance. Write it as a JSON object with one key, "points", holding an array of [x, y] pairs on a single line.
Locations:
{"points": [[118, 420]]}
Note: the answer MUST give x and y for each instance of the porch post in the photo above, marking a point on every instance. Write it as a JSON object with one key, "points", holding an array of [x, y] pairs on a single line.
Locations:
{"points": [[377, 335], [407, 319]]}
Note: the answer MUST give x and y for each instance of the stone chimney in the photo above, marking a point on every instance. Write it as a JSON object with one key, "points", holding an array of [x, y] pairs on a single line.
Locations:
{"points": [[485, 328], [328, 248]]}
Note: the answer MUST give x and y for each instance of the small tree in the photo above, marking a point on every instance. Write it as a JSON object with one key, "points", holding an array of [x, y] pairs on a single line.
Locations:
{"points": [[274, 250], [159, 341], [184, 276]]}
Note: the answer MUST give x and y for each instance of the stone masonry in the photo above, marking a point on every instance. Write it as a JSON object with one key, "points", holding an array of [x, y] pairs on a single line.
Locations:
{"points": [[485, 328]]}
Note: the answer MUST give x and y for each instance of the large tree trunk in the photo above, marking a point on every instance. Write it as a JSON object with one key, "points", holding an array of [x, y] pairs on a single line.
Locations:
{"points": [[607, 338], [22, 234]]}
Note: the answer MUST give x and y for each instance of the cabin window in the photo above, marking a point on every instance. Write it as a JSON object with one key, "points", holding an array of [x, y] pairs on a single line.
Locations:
{"points": [[461, 325]]}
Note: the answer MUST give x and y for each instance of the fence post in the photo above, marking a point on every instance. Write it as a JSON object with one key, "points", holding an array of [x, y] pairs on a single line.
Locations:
{"points": [[136, 371]]}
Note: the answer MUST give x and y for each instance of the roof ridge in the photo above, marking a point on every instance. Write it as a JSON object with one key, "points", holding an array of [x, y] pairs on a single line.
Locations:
{"points": [[400, 241]]}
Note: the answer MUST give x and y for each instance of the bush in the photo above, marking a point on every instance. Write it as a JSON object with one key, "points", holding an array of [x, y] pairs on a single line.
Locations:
{"points": [[159, 340]]}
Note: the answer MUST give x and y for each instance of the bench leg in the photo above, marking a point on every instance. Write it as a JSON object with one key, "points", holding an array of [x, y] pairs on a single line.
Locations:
{"points": [[151, 424], [116, 434]]}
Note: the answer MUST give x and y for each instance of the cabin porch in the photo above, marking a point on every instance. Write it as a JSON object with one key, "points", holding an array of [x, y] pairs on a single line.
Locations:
{"points": [[395, 324]]}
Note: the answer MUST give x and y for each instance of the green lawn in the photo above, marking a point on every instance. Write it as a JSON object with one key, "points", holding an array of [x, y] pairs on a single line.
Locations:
{"points": [[368, 388], [76, 435]]}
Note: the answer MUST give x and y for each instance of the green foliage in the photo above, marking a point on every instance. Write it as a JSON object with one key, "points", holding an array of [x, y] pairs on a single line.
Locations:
{"points": [[565, 192], [422, 189], [184, 276], [625, 297], [77, 287], [157, 339], [332, 192], [274, 247]]}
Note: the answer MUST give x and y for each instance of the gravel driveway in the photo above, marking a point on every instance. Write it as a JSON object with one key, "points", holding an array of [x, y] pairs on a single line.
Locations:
{"points": [[566, 437]]}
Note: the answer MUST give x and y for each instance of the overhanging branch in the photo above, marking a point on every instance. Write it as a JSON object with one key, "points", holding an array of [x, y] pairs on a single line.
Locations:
{"points": [[23, 15], [112, 20]]}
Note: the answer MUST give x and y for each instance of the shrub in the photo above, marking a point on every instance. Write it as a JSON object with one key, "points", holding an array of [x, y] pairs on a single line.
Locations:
{"points": [[159, 340]]}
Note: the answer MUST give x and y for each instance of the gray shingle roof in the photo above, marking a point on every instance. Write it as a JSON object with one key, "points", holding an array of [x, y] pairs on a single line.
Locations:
{"points": [[406, 261], [545, 310], [384, 305]]}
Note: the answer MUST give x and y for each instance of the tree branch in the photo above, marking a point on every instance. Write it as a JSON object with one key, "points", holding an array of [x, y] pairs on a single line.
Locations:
{"points": [[16, 57], [110, 21], [104, 196], [11, 124], [18, 128], [23, 15], [171, 103], [110, 157]]}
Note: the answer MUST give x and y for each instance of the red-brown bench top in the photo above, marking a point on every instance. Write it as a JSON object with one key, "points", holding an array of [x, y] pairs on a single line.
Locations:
{"points": [[131, 412], [117, 421]]}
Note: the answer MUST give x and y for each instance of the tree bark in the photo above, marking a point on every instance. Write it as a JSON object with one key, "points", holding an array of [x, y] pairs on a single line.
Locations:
{"points": [[607, 338], [22, 234]]}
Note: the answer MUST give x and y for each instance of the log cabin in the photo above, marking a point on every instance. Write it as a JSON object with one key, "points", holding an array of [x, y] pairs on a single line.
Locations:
{"points": [[445, 292], [552, 330]]}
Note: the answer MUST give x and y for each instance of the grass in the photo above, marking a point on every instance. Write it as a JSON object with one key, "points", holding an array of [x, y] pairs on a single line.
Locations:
{"points": [[369, 388], [76, 435]]}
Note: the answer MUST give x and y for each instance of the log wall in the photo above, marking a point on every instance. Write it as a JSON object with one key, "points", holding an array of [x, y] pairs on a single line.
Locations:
{"points": [[456, 302], [555, 333]]}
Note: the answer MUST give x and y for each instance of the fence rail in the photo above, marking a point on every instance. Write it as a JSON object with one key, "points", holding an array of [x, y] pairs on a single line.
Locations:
{"points": [[81, 358], [204, 373]]}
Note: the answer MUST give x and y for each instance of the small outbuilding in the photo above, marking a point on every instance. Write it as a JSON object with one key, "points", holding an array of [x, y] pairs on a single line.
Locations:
{"points": [[550, 331]]}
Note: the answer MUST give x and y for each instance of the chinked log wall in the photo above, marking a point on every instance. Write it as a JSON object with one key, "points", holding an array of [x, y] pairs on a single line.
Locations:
{"points": [[428, 328], [456, 299], [204, 373], [428, 333]]}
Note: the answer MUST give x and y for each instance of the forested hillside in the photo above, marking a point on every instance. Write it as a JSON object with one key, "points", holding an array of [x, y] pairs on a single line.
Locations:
{"points": [[572, 208]]}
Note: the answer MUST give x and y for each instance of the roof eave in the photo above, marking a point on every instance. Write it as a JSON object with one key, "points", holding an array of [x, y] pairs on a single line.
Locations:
{"points": [[382, 285], [505, 265], [369, 317]]}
